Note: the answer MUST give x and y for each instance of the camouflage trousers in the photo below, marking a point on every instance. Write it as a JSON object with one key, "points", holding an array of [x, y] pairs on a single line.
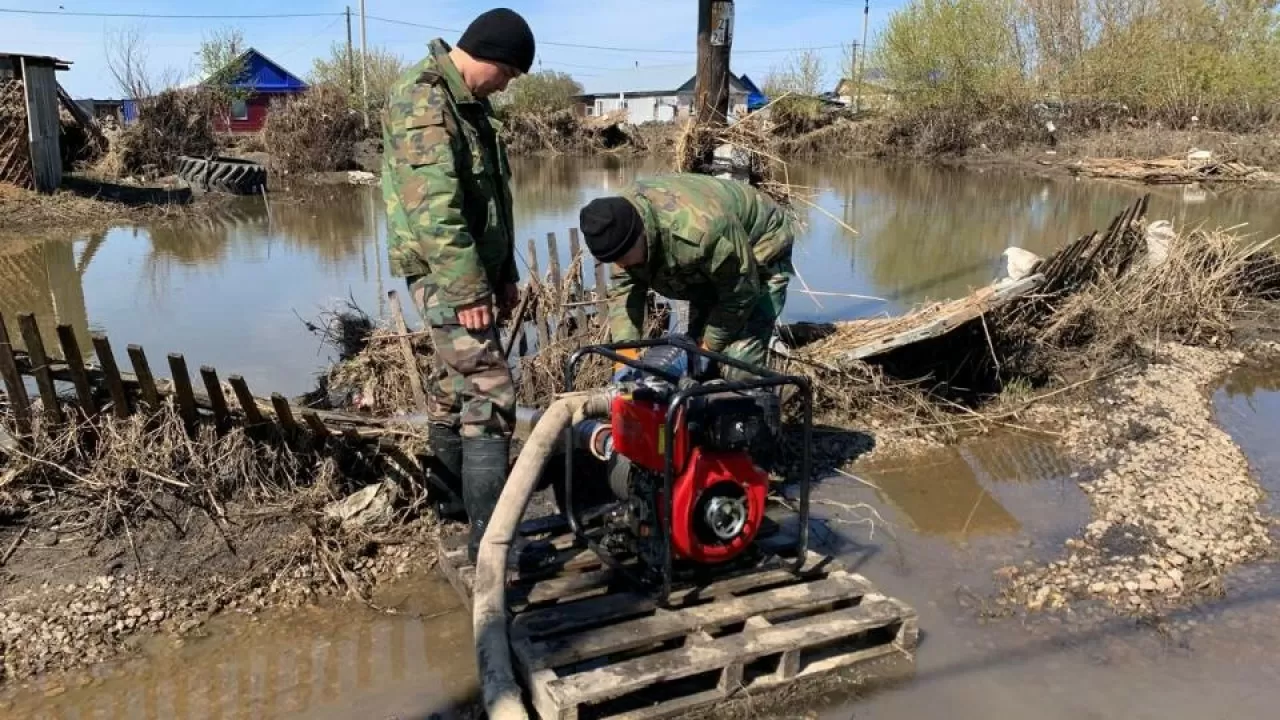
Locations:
{"points": [[752, 345], [470, 387]]}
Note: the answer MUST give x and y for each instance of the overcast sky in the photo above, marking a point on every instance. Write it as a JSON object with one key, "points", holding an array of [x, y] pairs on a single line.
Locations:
{"points": [[643, 25]]}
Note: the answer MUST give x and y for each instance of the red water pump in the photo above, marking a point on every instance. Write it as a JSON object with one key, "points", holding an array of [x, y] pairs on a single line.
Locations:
{"points": [[678, 474]]}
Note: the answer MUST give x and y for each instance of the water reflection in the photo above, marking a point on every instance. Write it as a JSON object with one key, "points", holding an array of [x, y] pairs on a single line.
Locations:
{"points": [[954, 492], [228, 289], [1248, 406], [45, 279], [332, 662]]}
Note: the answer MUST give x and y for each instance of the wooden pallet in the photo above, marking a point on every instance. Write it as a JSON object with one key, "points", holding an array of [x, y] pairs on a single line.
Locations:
{"points": [[588, 646]]}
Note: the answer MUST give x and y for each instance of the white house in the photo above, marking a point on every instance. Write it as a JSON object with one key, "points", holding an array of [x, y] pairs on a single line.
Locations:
{"points": [[653, 94]]}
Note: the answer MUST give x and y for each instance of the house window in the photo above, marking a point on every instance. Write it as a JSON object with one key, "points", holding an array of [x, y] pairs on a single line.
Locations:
{"points": [[239, 109]]}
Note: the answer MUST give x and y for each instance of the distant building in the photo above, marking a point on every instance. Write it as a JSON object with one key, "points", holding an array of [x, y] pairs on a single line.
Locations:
{"points": [[262, 80], [755, 96], [655, 94], [30, 128], [104, 109], [877, 92]]}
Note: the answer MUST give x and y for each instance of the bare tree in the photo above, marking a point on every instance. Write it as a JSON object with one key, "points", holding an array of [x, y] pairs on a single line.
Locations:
{"points": [[383, 68], [802, 74], [128, 63], [219, 55]]}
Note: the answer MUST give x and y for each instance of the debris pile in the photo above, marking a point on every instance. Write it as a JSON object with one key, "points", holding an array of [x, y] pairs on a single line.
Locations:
{"points": [[313, 132], [1089, 306], [1196, 167], [169, 125], [564, 131]]}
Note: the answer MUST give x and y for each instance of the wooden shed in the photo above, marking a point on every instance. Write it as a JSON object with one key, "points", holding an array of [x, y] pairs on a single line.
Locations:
{"points": [[30, 155]]}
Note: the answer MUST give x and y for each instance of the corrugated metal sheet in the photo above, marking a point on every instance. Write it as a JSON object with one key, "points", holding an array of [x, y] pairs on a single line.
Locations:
{"points": [[129, 108], [668, 80], [43, 123]]}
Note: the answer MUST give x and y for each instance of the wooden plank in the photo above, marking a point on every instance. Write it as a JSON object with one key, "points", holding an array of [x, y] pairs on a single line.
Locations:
{"points": [[565, 618], [406, 351], [940, 325], [553, 262], [146, 380], [284, 414], [577, 261], [115, 384], [629, 676], [41, 89], [13, 385], [371, 427], [602, 294], [248, 403], [517, 321], [317, 427], [182, 389], [659, 628], [40, 365], [674, 707], [75, 363], [540, 321], [221, 413]]}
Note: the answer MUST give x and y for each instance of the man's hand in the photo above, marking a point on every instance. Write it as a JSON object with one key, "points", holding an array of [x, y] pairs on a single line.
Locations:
{"points": [[476, 316]]}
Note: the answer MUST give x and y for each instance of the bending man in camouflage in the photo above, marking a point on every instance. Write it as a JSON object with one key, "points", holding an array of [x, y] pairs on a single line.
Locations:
{"points": [[445, 182], [722, 245]]}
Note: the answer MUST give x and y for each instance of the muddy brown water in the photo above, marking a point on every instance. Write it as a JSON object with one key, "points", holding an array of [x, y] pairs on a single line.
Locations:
{"points": [[231, 290], [330, 662], [930, 530]]}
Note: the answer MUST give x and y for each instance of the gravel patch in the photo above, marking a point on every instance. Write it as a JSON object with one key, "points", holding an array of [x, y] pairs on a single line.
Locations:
{"points": [[1174, 506], [59, 627]]}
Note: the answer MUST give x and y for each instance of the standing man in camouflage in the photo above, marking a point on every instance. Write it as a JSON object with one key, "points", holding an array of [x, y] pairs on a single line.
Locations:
{"points": [[445, 181], [722, 245]]}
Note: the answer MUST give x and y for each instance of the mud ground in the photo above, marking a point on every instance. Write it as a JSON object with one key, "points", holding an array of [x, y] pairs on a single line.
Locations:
{"points": [[68, 603], [1173, 510], [1174, 507]]}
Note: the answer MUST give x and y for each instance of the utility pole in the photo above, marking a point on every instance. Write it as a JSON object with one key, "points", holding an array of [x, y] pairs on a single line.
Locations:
{"points": [[711, 89], [351, 57], [862, 66], [364, 65]]}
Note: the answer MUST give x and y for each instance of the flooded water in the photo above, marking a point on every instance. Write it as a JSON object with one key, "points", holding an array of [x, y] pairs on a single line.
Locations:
{"points": [[231, 290], [932, 530], [948, 520], [330, 663]]}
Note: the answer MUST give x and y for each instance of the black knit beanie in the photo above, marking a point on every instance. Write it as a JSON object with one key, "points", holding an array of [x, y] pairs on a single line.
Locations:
{"points": [[500, 35], [610, 226]]}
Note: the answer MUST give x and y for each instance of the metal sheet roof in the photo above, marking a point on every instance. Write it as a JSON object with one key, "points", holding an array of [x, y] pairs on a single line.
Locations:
{"points": [[654, 79], [58, 63]]}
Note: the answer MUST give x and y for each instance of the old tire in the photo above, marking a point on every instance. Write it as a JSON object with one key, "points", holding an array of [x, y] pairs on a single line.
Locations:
{"points": [[222, 174]]}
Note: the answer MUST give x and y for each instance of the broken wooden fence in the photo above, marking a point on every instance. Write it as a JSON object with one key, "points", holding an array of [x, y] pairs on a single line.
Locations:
{"points": [[559, 305], [104, 387]]}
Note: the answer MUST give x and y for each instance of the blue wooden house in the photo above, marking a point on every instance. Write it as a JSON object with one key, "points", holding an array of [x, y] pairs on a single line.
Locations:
{"points": [[265, 80]]}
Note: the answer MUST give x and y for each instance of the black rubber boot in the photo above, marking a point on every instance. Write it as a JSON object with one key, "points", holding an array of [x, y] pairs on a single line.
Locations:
{"points": [[444, 467], [484, 473]]}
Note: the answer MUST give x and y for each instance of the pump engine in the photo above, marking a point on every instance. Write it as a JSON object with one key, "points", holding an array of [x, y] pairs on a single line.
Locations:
{"points": [[679, 473]]}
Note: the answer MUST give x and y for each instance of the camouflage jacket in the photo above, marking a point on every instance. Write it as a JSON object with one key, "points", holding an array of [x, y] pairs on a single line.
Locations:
{"points": [[707, 240], [445, 181]]}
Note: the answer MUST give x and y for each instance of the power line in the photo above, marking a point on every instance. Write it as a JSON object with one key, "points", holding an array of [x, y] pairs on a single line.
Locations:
{"points": [[159, 16], [578, 46], [391, 21]]}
